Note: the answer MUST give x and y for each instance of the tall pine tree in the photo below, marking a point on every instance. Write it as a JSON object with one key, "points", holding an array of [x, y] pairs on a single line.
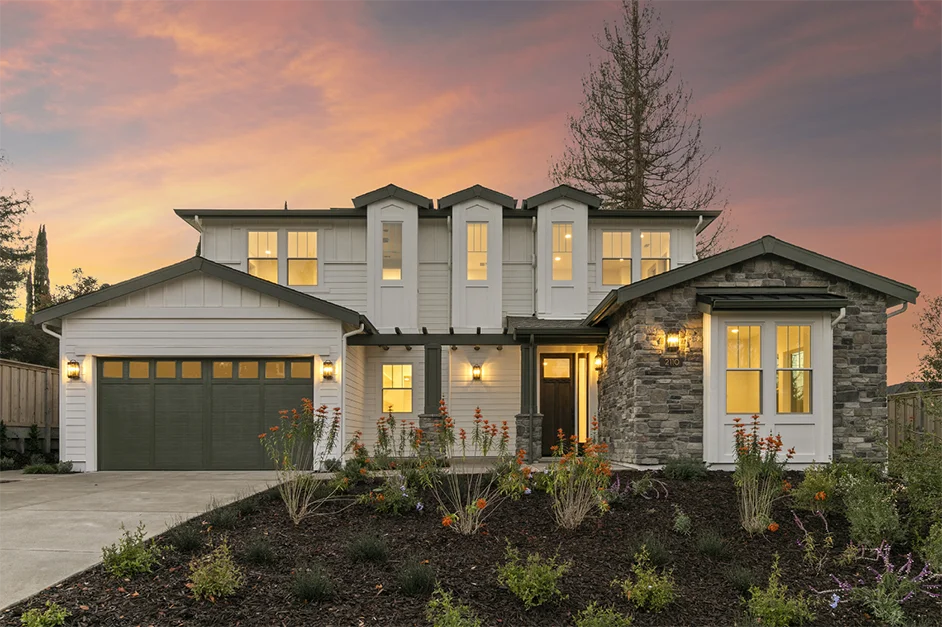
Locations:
{"points": [[42, 294], [29, 294], [635, 144]]}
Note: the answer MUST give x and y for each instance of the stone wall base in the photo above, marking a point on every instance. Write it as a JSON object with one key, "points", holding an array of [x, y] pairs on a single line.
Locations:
{"points": [[534, 446]]}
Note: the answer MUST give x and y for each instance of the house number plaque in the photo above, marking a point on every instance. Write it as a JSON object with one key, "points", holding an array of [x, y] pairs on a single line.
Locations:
{"points": [[672, 362]]}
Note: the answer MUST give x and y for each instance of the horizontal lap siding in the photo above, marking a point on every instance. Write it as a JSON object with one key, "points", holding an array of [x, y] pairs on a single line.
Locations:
{"points": [[354, 383], [497, 393], [375, 358]]}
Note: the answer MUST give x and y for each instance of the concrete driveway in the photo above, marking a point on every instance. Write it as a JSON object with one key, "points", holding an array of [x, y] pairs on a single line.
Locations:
{"points": [[53, 526]]}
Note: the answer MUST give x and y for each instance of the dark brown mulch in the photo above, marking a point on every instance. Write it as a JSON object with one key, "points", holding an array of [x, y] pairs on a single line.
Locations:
{"points": [[600, 551]]}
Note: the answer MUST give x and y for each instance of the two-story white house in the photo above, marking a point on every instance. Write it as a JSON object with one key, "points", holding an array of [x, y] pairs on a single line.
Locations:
{"points": [[543, 313]]}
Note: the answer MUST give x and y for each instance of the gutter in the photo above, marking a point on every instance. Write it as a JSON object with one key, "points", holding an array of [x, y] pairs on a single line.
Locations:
{"points": [[49, 331], [898, 311], [601, 310]]}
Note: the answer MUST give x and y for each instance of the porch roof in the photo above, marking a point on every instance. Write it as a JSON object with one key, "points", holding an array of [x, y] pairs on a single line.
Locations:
{"points": [[757, 299]]}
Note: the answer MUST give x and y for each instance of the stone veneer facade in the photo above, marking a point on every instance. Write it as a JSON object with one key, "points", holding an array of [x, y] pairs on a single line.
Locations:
{"points": [[649, 413]]}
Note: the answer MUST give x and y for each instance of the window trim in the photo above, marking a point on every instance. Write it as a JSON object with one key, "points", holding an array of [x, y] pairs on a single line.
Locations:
{"points": [[315, 259], [249, 259], [411, 388], [669, 257], [602, 258]]}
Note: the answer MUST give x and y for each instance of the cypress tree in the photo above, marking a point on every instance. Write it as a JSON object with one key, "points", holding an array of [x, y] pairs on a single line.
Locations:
{"points": [[41, 290], [29, 294]]}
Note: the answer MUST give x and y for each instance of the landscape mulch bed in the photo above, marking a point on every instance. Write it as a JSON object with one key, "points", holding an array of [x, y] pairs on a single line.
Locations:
{"points": [[366, 594]]}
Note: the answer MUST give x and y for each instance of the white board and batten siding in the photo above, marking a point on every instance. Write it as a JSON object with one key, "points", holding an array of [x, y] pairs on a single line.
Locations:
{"points": [[562, 299], [191, 316], [353, 374], [519, 269], [476, 303], [392, 303], [341, 253]]}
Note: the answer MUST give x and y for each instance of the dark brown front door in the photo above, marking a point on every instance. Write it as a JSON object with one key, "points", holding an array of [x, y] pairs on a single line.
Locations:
{"points": [[557, 403]]}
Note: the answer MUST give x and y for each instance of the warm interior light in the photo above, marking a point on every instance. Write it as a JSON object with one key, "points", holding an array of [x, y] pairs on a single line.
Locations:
{"points": [[267, 252], [673, 341], [73, 370], [598, 362], [568, 235], [327, 370], [735, 330], [558, 258], [476, 372]]}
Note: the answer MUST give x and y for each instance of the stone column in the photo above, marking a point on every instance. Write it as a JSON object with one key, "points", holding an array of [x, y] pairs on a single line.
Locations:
{"points": [[529, 424]]}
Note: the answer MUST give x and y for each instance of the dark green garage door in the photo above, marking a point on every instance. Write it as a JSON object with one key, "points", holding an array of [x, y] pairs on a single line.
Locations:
{"points": [[190, 414]]}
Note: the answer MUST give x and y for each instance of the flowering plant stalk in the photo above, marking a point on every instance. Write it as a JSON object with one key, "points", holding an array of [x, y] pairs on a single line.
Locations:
{"points": [[469, 490], [396, 441], [297, 447], [577, 482], [758, 475]]}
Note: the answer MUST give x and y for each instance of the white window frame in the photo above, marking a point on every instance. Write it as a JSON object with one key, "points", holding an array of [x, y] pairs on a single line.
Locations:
{"points": [[411, 388], [476, 224], [601, 256], [402, 240], [572, 252], [317, 260], [670, 250], [276, 257], [717, 449]]}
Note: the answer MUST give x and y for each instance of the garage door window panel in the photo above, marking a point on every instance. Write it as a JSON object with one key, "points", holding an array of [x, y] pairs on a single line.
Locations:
{"points": [[112, 369], [222, 369], [248, 370], [275, 370], [191, 369], [138, 369], [166, 370], [300, 370]]}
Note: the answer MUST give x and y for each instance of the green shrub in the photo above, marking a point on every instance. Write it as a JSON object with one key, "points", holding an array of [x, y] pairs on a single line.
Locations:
{"points": [[740, 578], [535, 581], [712, 544], [870, 508], [246, 505], [33, 444], [918, 464], [647, 590], [215, 575], [53, 616], [132, 554], [7, 463], [686, 469], [856, 467], [259, 551], [368, 548], [655, 548], [817, 491], [3, 435], [416, 578], [596, 616], [930, 549], [682, 523], [39, 469], [394, 496], [185, 537], [64, 468], [443, 610], [772, 607], [312, 584], [221, 517]]}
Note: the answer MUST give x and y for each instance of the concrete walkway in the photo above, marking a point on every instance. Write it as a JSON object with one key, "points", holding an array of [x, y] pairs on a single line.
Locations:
{"points": [[53, 526]]}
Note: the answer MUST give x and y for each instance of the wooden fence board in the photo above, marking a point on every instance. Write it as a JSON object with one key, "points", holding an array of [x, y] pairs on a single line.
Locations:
{"points": [[907, 417], [29, 395]]}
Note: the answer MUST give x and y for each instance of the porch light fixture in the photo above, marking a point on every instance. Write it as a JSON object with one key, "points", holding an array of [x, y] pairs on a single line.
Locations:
{"points": [[673, 342], [327, 370], [598, 362], [476, 372], [73, 370]]}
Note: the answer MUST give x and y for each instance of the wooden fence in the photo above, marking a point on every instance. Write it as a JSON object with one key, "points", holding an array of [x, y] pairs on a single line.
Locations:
{"points": [[29, 395], [907, 416]]}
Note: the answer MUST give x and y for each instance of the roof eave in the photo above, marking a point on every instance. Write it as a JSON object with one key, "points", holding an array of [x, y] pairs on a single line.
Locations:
{"points": [[392, 191], [477, 191]]}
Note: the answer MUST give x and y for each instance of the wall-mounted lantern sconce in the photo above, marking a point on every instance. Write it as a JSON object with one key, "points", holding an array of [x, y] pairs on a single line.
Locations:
{"points": [[327, 370], [476, 372], [73, 370], [673, 342], [598, 362]]}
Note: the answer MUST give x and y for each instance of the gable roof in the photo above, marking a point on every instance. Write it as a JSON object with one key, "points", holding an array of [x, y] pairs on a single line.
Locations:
{"points": [[562, 191], [477, 191], [200, 264], [392, 191], [895, 291]]}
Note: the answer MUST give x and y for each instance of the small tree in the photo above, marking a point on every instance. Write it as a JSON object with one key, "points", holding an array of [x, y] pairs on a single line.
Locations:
{"points": [[635, 144], [15, 250], [81, 285], [929, 371]]}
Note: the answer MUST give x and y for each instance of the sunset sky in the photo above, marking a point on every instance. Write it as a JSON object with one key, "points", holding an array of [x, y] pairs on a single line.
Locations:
{"points": [[826, 116]]}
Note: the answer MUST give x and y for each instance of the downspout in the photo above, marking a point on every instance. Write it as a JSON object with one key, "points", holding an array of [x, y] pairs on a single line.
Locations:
{"points": [[199, 227], [840, 317], [50, 331], [343, 379], [533, 266], [898, 311], [451, 274], [696, 232]]}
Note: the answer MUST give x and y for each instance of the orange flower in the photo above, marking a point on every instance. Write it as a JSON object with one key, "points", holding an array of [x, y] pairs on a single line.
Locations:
{"points": [[786, 486], [447, 521], [363, 471], [481, 503], [261, 435], [380, 497], [273, 429], [773, 527], [821, 496]]}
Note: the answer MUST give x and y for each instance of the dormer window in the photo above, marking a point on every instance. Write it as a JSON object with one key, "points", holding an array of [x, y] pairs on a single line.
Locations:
{"points": [[302, 257], [477, 251], [655, 253], [562, 251], [263, 255], [392, 251], [616, 257]]}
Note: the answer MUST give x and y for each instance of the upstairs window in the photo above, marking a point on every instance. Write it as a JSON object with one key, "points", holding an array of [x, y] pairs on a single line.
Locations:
{"points": [[392, 251], [302, 257], [616, 257], [397, 388], [477, 251], [562, 251], [655, 253], [263, 255]]}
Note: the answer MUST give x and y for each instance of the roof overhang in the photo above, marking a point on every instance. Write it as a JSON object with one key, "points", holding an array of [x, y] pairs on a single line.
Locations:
{"points": [[477, 191], [896, 293], [205, 266], [770, 298], [563, 191], [392, 191]]}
